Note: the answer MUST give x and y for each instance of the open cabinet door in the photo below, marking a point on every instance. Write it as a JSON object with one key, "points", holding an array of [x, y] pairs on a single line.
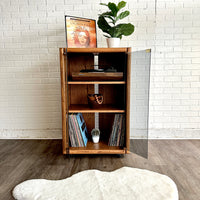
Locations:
{"points": [[139, 101]]}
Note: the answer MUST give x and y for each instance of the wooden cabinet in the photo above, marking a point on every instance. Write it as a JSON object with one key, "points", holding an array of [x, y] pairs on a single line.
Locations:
{"points": [[115, 89]]}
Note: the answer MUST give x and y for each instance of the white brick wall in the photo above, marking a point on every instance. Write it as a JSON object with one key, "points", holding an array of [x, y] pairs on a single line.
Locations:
{"points": [[32, 31]]}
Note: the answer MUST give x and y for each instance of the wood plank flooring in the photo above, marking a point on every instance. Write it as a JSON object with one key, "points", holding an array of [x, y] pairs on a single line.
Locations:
{"points": [[29, 159]]}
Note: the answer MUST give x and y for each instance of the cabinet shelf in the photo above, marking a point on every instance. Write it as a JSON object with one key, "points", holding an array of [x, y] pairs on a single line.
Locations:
{"points": [[84, 108], [96, 50], [95, 82], [97, 76], [99, 148]]}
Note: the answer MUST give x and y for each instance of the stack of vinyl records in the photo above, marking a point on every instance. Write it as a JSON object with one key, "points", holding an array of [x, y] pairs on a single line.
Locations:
{"points": [[77, 130], [118, 131]]}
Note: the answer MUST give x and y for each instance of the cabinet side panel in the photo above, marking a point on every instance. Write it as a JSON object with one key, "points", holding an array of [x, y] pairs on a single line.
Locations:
{"points": [[128, 86], [65, 141]]}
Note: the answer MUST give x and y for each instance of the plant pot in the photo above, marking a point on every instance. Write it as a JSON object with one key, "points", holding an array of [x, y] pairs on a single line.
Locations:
{"points": [[95, 138], [95, 135], [113, 42]]}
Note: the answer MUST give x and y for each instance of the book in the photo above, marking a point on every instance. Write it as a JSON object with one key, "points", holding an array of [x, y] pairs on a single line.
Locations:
{"points": [[118, 131], [83, 128], [122, 133], [71, 134], [111, 135], [77, 130]]}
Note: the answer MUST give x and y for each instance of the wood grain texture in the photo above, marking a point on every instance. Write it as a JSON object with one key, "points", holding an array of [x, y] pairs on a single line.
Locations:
{"points": [[75, 108], [79, 61], [65, 143], [79, 94], [90, 122], [95, 50], [95, 82], [105, 121], [21, 160], [99, 148], [115, 93], [95, 76], [128, 93]]}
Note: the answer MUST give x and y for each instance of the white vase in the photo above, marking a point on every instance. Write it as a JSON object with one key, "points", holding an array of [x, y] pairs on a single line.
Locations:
{"points": [[113, 42], [95, 138]]}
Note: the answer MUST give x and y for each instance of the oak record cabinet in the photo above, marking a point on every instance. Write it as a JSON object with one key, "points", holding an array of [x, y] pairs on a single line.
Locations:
{"points": [[115, 90]]}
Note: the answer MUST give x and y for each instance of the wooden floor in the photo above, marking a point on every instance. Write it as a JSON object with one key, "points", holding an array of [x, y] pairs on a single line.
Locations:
{"points": [[29, 159]]}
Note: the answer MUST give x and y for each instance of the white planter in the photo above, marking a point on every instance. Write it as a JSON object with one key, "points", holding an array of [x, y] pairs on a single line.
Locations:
{"points": [[95, 138], [113, 42]]}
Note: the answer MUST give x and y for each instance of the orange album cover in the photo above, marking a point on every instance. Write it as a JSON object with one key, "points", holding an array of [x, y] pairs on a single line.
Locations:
{"points": [[80, 32]]}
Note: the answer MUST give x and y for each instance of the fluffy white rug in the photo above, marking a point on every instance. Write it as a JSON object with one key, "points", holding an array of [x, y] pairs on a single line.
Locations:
{"points": [[123, 184]]}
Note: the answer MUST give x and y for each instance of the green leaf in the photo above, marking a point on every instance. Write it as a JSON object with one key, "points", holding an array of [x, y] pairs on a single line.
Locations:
{"points": [[121, 4], [114, 9], [103, 4], [107, 14], [118, 30], [125, 29], [103, 24], [113, 32], [110, 17], [123, 15]]}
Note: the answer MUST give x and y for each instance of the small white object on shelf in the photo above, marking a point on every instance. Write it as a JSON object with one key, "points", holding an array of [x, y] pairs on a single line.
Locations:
{"points": [[95, 135]]}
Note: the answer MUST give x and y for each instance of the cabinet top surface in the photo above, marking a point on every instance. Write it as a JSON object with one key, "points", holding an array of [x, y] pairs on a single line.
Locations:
{"points": [[96, 50]]}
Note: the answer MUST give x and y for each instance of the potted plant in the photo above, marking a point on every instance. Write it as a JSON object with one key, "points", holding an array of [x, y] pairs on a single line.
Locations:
{"points": [[113, 30], [95, 135]]}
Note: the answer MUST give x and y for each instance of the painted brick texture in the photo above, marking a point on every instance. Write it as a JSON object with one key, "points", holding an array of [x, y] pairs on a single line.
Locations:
{"points": [[32, 31]]}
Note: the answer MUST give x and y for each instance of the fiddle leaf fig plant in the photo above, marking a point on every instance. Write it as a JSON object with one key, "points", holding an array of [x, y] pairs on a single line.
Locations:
{"points": [[107, 21]]}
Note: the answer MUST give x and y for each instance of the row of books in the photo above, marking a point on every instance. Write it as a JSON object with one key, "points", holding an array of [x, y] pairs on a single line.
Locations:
{"points": [[118, 131], [77, 130]]}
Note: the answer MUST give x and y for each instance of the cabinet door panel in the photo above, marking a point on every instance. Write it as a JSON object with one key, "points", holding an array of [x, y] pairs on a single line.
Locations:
{"points": [[139, 101]]}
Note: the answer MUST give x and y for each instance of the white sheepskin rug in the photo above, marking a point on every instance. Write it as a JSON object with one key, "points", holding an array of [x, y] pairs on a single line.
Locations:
{"points": [[124, 184]]}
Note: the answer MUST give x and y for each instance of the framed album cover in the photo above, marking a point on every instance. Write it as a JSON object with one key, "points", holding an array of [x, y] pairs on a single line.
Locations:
{"points": [[80, 32]]}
